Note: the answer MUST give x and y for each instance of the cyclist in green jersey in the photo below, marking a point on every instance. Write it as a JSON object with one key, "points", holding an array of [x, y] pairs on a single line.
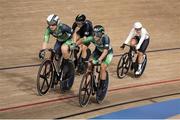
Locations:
{"points": [[102, 54], [62, 32]]}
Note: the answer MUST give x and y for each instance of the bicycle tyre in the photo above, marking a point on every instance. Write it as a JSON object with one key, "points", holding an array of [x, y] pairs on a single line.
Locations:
{"points": [[123, 66], [85, 90], [44, 80]]}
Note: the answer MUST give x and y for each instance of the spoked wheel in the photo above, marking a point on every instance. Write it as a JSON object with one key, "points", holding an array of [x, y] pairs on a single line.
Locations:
{"points": [[123, 66], [100, 98], [143, 67], [44, 77], [68, 76], [85, 90]]}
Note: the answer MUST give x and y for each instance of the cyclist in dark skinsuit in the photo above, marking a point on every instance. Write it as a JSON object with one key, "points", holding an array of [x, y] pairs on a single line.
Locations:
{"points": [[82, 30], [62, 32], [102, 54]]}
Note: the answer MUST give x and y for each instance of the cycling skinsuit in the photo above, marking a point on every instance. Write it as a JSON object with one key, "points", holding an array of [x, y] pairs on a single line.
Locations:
{"points": [[63, 33], [104, 43], [85, 30]]}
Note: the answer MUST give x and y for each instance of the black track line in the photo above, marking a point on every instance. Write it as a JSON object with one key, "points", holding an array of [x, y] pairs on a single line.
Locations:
{"points": [[117, 104], [34, 65]]}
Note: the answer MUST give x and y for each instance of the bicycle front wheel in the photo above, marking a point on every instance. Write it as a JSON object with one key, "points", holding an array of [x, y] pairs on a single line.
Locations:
{"points": [[44, 77], [123, 66], [85, 90]]}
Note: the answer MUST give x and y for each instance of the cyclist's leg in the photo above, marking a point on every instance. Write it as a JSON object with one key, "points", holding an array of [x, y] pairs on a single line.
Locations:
{"points": [[85, 55], [103, 75], [65, 49], [85, 50], [134, 41], [57, 47], [141, 52], [106, 62]]}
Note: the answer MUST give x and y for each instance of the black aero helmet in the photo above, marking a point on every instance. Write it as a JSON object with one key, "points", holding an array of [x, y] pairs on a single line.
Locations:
{"points": [[98, 30], [52, 19], [80, 18]]}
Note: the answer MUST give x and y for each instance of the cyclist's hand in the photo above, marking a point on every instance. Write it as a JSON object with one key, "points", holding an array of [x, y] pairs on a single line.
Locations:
{"points": [[134, 49], [42, 54], [96, 62], [73, 46], [122, 46]]}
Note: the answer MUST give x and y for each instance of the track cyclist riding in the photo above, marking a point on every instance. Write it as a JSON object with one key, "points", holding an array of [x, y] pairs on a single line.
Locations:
{"points": [[138, 38], [102, 55], [62, 47], [82, 30]]}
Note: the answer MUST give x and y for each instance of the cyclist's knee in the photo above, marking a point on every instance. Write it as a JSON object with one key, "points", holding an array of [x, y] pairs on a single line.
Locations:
{"points": [[140, 53], [64, 48], [133, 42], [65, 51], [103, 67]]}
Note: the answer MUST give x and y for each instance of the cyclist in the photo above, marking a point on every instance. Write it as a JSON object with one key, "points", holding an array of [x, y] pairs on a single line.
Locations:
{"points": [[102, 54], [63, 35], [82, 30], [138, 38]]}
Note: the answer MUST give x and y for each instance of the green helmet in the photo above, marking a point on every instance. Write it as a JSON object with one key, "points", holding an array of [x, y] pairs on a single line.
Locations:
{"points": [[98, 30]]}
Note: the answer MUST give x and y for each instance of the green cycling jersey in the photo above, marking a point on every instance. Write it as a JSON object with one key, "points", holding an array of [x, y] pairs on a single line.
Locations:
{"points": [[103, 43], [63, 33]]}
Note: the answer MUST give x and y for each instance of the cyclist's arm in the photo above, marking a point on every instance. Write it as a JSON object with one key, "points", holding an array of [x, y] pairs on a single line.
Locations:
{"points": [[129, 36], [85, 41], [75, 36], [103, 55], [46, 39], [140, 41], [106, 43]]}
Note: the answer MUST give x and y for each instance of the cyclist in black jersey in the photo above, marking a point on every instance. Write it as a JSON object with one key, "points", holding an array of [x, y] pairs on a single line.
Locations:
{"points": [[82, 30]]}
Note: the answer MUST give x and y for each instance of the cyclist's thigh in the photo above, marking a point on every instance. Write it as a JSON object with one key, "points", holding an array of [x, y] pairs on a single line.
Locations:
{"points": [[68, 42], [96, 54], [57, 46], [144, 46], [108, 58]]}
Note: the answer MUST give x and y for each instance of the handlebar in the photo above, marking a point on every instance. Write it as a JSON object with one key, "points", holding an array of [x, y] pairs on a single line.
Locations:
{"points": [[90, 61], [131, 47]]}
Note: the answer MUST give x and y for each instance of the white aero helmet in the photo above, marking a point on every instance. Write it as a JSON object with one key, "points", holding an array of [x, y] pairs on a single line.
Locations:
{"points": [[137, 25], [52, 19]]}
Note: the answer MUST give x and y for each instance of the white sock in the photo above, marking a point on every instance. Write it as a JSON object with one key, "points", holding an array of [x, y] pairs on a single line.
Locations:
{"points": [[139, 66]]}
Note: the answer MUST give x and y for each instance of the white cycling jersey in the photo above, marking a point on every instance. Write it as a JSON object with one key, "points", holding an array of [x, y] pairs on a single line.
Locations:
{"points": [[143, 36]]}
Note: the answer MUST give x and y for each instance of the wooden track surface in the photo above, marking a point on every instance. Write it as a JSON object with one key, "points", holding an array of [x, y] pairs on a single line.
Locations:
{"points": [[22, 27]]}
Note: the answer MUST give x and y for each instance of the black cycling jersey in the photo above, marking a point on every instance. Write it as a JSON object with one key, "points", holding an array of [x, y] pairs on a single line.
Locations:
{"points": [[85, 30]]}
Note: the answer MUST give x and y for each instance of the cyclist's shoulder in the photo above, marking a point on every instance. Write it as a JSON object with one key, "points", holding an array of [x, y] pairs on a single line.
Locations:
{"points": [[88, 23], [64, 27], [105, 38]]}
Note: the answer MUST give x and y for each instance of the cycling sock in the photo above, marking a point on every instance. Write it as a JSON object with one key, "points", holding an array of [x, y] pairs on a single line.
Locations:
{"points": [[139, 66]]}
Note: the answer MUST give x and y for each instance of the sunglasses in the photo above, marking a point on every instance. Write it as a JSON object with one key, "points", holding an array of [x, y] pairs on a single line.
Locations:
{"points": [[138, 29], [98, 34]]}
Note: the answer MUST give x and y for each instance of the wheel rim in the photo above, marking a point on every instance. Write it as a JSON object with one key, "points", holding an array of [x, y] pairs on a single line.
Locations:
{"points": [[44, 77], [68, 75], [123, 66], [85, 90]]}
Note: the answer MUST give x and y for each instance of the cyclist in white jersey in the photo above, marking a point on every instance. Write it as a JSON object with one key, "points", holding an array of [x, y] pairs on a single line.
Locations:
{"points": [[139, 38]]}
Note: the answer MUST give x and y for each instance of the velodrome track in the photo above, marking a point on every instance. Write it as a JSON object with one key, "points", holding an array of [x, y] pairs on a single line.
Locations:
{"points": [[22, 28]]}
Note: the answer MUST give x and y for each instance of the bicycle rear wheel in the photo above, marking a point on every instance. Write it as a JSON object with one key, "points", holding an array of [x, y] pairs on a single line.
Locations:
{"points": [[123, 66], [44, 77], [85, 90], [68, 76], [101, 98]]}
